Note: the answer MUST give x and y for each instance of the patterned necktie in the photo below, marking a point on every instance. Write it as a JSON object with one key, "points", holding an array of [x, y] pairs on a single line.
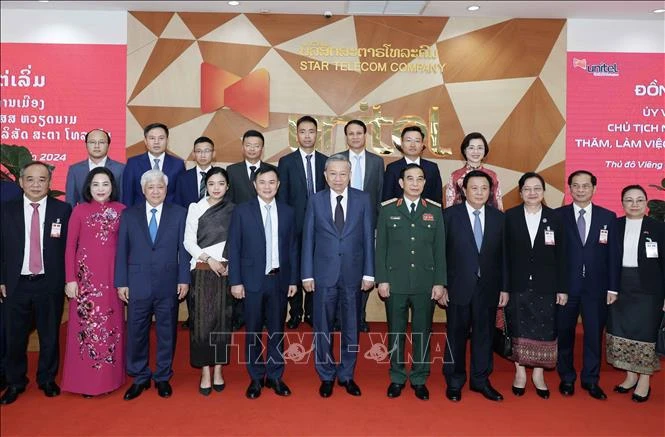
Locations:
{"points": [[252, 173], [357, 181], [339, 215], [477, 229], [202, 186], [152, 227], [268, 231], [35, 259], [310, 180], [156, 165], [581, 226]]}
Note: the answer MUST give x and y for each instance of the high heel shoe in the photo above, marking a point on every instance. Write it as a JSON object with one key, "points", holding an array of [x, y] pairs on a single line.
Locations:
{"points": [[543, 393], [518, 391], [638, 398], [205, 391], [623, 390], [219, 387]]}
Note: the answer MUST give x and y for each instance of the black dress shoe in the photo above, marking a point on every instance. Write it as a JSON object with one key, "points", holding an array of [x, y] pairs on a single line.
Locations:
{"points": [[595, 391], [567, 388], [254, 389], [337, 327], [623, 390], [278, 387], [454, 394], [351, 387], [543, 393], [326, 389], [635, 397], [489, 392], [518, 391], [85, 396], [293, 323], [50, 389], [238, 325], [135, 390], [421, 391], [164, 389], [364, 327], [218, 387], [11, 394], [395, 390], [3, 383], [309, 321]]}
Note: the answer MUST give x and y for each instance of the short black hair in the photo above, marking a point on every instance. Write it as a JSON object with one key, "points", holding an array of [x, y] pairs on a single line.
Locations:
{"points": [[108, 135], [87, 195], [409, 167], [152, 126], [594, 180], [634, 187], [474, 136], [253, 133], [476, 174], [412, 129], [358, 122], [204, 140], [529, 175], [306, 118], [263, 169], [216, 170]]}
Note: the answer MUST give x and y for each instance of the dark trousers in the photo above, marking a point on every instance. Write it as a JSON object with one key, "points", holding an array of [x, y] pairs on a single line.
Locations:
{"points": [[594, 317], [3, 341], [325, 308], [269, 306], [45, 301], [476, 321], [139, 319]]}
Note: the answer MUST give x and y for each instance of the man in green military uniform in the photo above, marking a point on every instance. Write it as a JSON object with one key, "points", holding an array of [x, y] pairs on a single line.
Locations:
{"points": [[411, 272]]}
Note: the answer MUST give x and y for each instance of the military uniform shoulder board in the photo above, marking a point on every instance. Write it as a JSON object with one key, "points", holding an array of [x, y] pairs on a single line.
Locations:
{"points": [[434, 203], [389, 201]]}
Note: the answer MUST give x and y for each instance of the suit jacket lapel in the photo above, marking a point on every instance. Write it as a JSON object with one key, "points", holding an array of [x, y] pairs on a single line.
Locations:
{"points": [[302, 174], [330, 214], [464, 217], [369, 171], [20, 222], [143, 221], [256, 211]]}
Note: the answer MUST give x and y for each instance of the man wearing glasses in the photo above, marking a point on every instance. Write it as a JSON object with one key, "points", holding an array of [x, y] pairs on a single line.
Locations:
{"points": [[190, 185], [97, 143], [593, 268]]}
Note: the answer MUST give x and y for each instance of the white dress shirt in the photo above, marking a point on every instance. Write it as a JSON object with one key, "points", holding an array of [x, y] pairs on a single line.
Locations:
{"points": [[472, 218], [355, 163], [215, 251], [273, 222], [333, 201], [256, 167], [409, 203], [158, 214], [27, 217], [587, 218], [631, 241], [303, 157], [92, 165], [408, 161], [152, 158], [532, 223]]}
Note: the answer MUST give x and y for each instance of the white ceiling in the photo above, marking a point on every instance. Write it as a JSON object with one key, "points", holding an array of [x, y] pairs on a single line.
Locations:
{"points": [[634, 10]]}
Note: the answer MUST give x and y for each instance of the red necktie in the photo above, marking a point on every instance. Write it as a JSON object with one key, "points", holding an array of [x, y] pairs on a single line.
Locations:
{"points": [[35, 262]]}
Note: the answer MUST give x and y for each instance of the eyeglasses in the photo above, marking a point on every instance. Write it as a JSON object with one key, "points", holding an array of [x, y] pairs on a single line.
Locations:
{"points": [[98, 143], [634, 201], [532, 189]]}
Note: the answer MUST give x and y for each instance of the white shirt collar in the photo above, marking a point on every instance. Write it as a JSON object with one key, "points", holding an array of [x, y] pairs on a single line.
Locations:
{"points": [[199, 169], [27, 202], [345, 194], [262, 204], [152, 157], [409, 161], [305, 155], [148, 208], [409, 203], [577, 209], [470, 209], [249, 164], [360, 155], [102, 163]]}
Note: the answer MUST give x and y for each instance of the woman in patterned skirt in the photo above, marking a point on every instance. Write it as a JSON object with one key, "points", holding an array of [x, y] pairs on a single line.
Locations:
{"points": [[536, 281], [95, 352], [209, 298], [634, 318]]}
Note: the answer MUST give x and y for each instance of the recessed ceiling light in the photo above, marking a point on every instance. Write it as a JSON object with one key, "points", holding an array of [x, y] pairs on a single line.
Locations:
{"points": [[658, 11], [473, 8], [234, 3], [43, 1]]}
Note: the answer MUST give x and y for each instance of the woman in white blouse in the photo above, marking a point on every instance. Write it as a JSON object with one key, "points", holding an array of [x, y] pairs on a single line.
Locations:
{"points": [[634, 318], [209, 298]]}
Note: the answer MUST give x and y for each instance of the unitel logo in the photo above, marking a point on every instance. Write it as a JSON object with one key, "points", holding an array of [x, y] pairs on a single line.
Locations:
{"points": [[602, 69]]}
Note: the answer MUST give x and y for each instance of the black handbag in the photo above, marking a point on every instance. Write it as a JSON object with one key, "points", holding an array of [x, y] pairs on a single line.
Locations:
{"points": [[503, 344], [660, 340]]}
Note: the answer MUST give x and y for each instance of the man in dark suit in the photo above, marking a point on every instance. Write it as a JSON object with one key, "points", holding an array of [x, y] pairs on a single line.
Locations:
{"points": [[411, 273], [301, 175], [241, 189], [151, 274], [367, 176], [337, 263], [97, 142], [33, 234], [263, 271], [593, 266], [413, 144], [156, 138], [474, 250]]}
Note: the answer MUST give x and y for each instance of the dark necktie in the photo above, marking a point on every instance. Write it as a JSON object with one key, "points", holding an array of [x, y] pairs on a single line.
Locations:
{"points": [[35, 258], [413, 209], [310, 180], [202, 186], [339, 215], [252, 173], [581, 225]]}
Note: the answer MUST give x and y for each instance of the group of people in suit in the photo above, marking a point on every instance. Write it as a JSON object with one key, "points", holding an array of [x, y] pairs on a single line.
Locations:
{"points": [[317, 234]]}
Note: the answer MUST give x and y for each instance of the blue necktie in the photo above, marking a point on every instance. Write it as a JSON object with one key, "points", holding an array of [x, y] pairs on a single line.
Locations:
{"points": [[152, 227], [357, 182], [310, 180], [268, 230], [477, 230], [156, 165]]}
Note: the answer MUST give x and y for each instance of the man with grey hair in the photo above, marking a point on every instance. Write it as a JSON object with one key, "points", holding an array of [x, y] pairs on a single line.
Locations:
{"points": [[337, 263], [151, 274]]}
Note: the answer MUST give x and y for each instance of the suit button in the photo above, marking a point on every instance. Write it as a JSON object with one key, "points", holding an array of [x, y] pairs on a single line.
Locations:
{"points": [[413, 265], [413, 225], [339, 254], [413, 252], [413, 238]]}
